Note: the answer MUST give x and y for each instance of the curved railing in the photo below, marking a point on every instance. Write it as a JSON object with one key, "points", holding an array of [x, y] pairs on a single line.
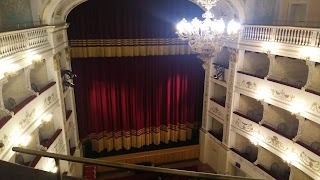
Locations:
{"points": [[16, 41], [282, 34], [193, 174]]}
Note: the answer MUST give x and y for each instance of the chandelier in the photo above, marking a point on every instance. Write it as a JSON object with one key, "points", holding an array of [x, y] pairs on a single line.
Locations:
{"points": [[208, 36]]}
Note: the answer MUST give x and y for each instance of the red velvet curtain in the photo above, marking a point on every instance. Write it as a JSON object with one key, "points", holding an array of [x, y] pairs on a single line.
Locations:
{"points": [[121, 99], [129, 19]]}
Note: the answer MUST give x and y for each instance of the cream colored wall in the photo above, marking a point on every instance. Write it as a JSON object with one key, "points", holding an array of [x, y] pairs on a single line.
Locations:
{"points": [[16, 88], [276, 115], [297, 174], [38, 75], [313, 13], [292, 69], [246, 103], [216, 156], [254, 62], [310, 132]]}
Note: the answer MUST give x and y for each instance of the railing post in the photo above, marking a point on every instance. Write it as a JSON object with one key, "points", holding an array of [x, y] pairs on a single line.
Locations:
{"points": [[59, 175], [273, 34], [313, 38]]}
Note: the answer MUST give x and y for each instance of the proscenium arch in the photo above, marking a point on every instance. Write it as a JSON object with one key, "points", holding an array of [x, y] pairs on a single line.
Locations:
{"points": [[57, 11]]}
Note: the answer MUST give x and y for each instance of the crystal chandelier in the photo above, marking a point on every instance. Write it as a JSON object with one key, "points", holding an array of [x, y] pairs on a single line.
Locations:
{"points": [[208, 36]]}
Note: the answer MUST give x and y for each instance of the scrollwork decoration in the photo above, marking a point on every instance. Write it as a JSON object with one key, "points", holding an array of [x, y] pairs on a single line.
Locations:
{"points": [[248, 85], [315, 107], [282, 95], [275, 142], [216, 111], [313, 164], [244, 126]]}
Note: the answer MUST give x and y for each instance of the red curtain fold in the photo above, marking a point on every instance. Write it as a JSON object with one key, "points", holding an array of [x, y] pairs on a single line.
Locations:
{"points": [[129, 19], [137, 94]]}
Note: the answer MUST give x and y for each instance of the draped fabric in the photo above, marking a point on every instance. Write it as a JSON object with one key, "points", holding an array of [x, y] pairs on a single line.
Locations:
{"points": [[129, 19], [134, 101]]}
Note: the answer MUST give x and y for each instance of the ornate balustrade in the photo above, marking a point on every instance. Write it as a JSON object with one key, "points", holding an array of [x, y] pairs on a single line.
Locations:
{"points": [[13, 42], [305, 159], [282, 34], [279, 95]]}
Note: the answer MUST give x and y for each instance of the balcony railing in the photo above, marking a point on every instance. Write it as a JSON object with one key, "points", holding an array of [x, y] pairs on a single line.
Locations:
{"points": [[57, 157], [282, 34], [13, 42]]}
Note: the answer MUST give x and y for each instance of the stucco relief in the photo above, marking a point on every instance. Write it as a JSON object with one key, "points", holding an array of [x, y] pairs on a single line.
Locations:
{"points": [[247, 84], [313, 164], [282, 95], [243, 126], [274, 141], [315, 107], [216, 112]]}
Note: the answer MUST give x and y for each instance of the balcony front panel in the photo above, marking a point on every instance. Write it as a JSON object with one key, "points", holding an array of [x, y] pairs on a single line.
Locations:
{"points": [[247, 166], [285, 97], [305, 160], [217, 110], [69, 127], [25, 118]]}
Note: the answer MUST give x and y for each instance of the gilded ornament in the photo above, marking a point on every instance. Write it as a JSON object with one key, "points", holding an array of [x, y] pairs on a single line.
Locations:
{"points": [[56, 61]]}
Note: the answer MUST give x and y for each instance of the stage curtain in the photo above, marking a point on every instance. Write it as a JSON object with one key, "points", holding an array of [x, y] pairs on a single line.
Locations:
{"points": [[135, 101], [129, 19]]}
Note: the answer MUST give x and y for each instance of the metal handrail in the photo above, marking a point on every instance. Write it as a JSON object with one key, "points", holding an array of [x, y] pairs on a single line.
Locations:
{"points": [[193, 174]]}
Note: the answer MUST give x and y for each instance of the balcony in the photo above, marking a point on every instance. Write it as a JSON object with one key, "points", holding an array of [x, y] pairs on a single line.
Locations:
{"points": [[215, 128], [255, 68], [297, 174], [281, 121], [250, 108], [218, 94], [282, 34], [245, 148], [273, 165], [310, 136], [289, 72], [17, 41], [15, 97]]}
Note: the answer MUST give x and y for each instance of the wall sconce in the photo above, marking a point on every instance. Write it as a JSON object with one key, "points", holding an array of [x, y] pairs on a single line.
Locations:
{"points": [[11, 70], [24, 141], [47, 118], [297, 107], [262, 94], [36, 59], [269, 47], [290, 157], [256, 138], [306, 52]]}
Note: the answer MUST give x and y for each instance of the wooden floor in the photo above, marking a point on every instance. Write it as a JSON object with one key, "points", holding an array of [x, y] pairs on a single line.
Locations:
{"points": [[195, 164]]}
